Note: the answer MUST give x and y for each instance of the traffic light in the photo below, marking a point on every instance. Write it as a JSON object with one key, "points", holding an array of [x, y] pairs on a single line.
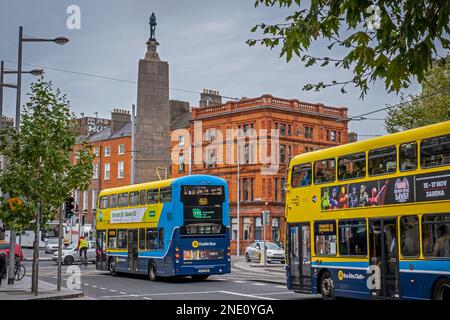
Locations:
{"points": [[69, 207]]}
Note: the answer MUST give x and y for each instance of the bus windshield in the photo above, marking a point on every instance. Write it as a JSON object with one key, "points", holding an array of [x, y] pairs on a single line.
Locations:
{"points": [[202, 210]]}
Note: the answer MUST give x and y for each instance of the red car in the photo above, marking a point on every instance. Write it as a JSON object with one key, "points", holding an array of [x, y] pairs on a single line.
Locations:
{"points": [[4, 247]]}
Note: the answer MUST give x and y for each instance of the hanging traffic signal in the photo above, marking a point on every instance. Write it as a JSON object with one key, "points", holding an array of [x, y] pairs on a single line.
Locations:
{"points": [[69, 207]]}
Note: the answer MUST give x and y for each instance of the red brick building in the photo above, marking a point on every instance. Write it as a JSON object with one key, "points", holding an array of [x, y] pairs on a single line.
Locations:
{"points": [[301, 126]]}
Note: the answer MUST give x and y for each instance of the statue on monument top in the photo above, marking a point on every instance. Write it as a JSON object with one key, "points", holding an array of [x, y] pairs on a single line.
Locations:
{"points": [[153, 27], [152, 43]]}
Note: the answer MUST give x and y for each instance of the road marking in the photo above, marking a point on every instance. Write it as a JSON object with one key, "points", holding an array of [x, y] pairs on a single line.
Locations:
{"points": [[113, 290], [284, 287], [103, 288], [239, 281], [86, 284], [248, 295], [94, 286], [259, 284], [147, 298], [273, 293], [123, 292], [134, 295]]}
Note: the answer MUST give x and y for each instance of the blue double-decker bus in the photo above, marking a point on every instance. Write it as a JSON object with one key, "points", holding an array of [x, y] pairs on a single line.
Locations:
{"points": [[174, 227]]}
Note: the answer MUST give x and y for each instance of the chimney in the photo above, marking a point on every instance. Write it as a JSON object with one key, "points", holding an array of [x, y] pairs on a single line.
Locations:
{"points": [[118, 118], [209, 98]]}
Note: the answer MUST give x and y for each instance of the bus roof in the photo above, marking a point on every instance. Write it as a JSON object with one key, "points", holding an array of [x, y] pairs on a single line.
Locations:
{"points": [[163, 183], [433, 130]]}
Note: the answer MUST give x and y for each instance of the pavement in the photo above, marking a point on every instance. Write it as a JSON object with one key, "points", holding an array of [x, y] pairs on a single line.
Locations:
{"points": [[21, 290], [273, 272]]}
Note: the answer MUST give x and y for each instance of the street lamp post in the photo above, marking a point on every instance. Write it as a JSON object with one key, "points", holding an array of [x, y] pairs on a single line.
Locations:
{"points": [[238, 252], [58, 40], [34, 72]]}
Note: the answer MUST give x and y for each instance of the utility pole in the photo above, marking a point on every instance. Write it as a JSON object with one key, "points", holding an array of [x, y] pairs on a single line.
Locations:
{"points": [[60, 244], [2, 68], [238, 252], [35, 285], [133, 138]]}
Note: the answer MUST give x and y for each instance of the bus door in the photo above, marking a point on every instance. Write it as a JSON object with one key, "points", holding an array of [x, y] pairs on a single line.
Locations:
{"points": [[133, 250], [300, 257], [100, 256], [384, 255]]}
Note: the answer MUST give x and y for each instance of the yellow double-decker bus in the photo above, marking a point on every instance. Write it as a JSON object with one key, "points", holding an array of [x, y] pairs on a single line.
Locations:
{"points": [[174, 227], [371, 219]]}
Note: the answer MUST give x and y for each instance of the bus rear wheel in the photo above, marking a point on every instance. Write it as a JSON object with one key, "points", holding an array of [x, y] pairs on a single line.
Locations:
{"points": [[200, 277], [152, 273], [442, 290], [112, 267], [327, 286]]}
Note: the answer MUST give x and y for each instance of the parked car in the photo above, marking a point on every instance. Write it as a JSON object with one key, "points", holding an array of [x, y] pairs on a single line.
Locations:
{"points": [[274, 252], [52, 245], [71, 254], [4, 247]]}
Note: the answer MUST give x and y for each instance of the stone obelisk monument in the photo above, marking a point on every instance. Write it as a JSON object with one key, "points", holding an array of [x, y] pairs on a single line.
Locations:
{"points": [[152, 146]]}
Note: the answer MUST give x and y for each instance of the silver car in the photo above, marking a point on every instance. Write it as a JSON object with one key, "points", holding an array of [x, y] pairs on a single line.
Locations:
{"points": [[71, 254], [52, 245], [274, 252]]}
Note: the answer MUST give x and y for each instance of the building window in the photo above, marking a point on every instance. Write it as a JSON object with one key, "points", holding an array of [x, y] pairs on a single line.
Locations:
{"points": [[181, 141], [121, 149], [275, 229], [234, 229], [95, 174], [252, 183], [308, 132], [258, 229], [282, 153], [181, 165], [246, 228], [246, 154], [289, 153], [276, 190], [120, 170], [245, 189], [107, 171], [96, 152], [289, 129], [85, 200], [94, 199], [283, 189], [333, 136], [339, 137], [107, 151], [282, 129]]}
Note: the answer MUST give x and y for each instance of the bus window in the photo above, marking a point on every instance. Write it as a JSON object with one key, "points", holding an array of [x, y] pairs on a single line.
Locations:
{"points": [[152, 239], [113, 201], [134, 198], [122, 238], [152, 196], [352, 166], [104, 202], [383, 161], [166, 194], [325, 237], [143, 197], [161, 238], [408, 156], [142, 239], [409, 236], [301, 175], [123, 199], [325, 171], [112, 239], [353, 237], [436, 236], [435, 152]]}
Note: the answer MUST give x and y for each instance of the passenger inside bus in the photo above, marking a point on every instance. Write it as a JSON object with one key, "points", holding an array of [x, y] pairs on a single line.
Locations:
{"points": [[442, 245]]}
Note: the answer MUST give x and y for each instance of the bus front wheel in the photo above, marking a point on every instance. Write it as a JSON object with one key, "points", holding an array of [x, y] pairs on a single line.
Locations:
{"points": [[327, 286], [152, 273], [442, 290]]}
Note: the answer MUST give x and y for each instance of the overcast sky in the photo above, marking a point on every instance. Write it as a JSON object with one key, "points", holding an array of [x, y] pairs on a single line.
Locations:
{"points": [[203, 41]]}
